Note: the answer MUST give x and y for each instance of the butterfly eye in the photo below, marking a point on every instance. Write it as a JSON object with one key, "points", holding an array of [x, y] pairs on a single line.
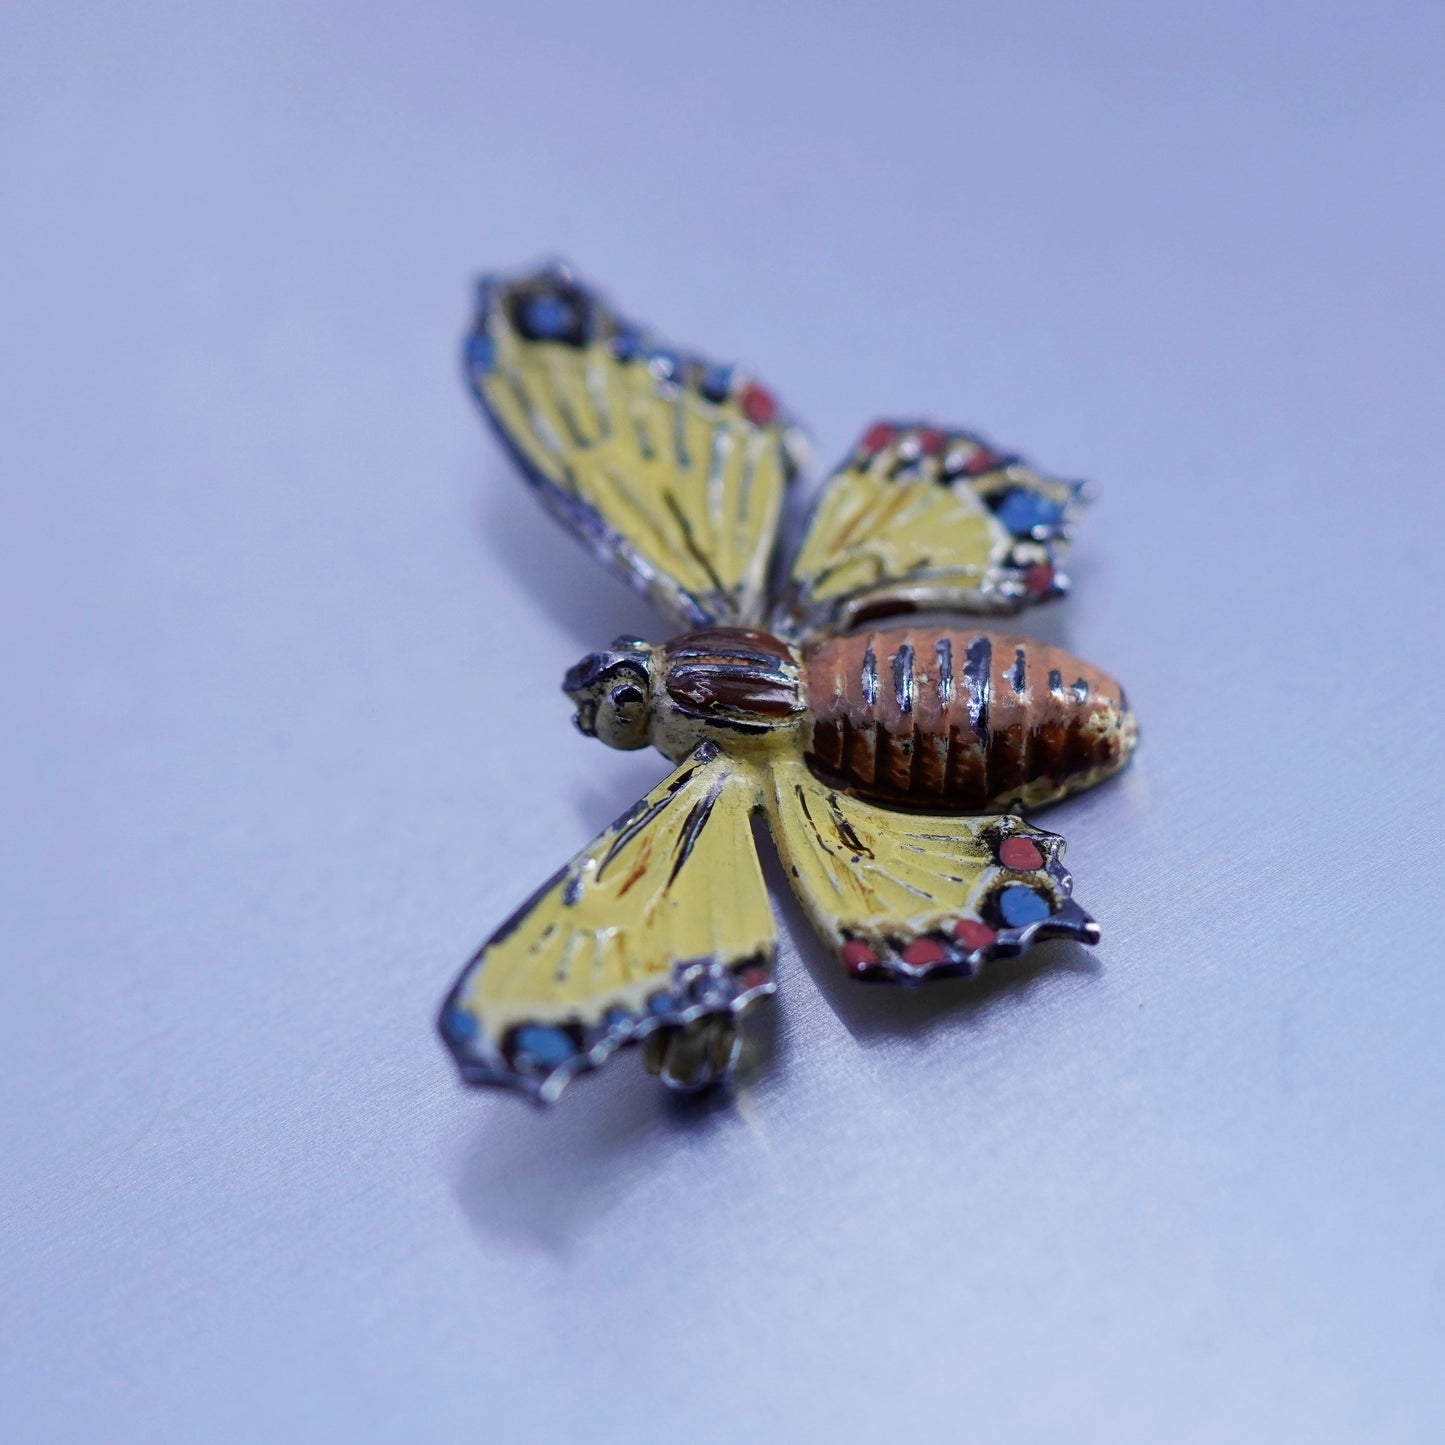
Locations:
{"points": [[622, 717], [612, 691]]}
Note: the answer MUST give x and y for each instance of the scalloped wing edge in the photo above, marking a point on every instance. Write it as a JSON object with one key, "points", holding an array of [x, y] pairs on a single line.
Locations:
{"points": [[1032, 517], [728, 995], [957, 958], [603, 541], [693, 990]]}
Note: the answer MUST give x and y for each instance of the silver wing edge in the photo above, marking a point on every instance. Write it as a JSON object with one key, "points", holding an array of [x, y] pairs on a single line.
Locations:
{"points": [[697, 989], [605, 544], [794, 616]]}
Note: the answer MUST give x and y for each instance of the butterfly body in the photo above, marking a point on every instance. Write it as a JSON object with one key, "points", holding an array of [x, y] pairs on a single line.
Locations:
{"points": [[882, 760], [913, 717], [737, 688], [961, 721]]}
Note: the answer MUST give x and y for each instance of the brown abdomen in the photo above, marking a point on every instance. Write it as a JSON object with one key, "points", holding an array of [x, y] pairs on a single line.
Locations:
{"points": [[957, 720]]}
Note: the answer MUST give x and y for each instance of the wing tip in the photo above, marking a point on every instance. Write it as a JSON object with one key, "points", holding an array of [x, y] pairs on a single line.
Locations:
{"points": [[552, 302], [961, 948], [539, 1061], [1031, 518], [548, 309]]}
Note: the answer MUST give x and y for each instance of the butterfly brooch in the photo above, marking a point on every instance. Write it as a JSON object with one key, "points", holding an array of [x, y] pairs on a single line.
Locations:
{"points": [[885, 759]]}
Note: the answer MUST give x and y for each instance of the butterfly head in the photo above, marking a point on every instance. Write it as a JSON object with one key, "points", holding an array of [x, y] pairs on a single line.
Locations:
{"points": [[613, 693]]}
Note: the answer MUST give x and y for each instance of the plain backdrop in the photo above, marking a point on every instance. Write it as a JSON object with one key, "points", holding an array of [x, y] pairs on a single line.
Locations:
{"points": [[283, 737]]}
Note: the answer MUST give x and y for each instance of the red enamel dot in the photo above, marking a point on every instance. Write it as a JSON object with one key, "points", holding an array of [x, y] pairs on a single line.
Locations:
{"points": [[753, 978], [931, 441], [972, 934], [857, 957], [1039, 578], [877, 437], [980, 462], [758, 405], [1020, 853], [923, 951]]}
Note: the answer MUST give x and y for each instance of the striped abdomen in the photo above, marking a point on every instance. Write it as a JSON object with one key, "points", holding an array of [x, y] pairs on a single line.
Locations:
{"points": [[941, 717]]}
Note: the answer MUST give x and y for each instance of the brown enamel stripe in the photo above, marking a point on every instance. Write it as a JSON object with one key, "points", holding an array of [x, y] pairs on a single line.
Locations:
{"points": [[731, 671], [941, 717]]}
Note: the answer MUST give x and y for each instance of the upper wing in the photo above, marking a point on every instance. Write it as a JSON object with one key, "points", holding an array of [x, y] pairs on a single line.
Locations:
{"points": [[662, 923], [905, 896], [670, 468], [917, 519]]}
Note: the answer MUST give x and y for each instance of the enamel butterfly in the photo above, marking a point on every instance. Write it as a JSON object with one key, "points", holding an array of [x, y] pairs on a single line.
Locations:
{"points": [[888, 760]]}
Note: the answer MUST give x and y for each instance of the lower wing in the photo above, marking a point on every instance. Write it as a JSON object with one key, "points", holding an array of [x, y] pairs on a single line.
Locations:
{"points": [[905, 896], [660, 930]]}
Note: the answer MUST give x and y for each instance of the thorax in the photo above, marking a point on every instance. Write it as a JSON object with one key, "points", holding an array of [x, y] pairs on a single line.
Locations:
{"points": [[739, 686]]}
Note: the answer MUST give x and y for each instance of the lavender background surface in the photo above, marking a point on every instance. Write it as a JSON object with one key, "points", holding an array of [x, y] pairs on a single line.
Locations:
{"points": [[283, 740]]}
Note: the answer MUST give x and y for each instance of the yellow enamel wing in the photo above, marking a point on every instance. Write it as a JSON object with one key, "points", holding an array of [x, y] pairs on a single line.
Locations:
{"points": [[885, 761]]}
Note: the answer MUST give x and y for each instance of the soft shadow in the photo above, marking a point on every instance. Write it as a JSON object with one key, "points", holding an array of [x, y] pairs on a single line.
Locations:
{"points": [[543, 1176], [619, 781], [1054, 622], [560, 577], [1051, 624]]}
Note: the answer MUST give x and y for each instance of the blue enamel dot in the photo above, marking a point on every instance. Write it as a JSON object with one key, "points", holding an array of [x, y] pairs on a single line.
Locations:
{"points": [[481, 354], [626, 345], [716, 382], [1021, 905], [1024, 512], [458, 1026], [547, 316], [542, 1047], [661, 1003]]}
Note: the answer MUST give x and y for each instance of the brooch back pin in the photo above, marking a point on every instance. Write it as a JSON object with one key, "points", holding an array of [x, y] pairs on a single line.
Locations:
{"points": [[884, 758]]}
